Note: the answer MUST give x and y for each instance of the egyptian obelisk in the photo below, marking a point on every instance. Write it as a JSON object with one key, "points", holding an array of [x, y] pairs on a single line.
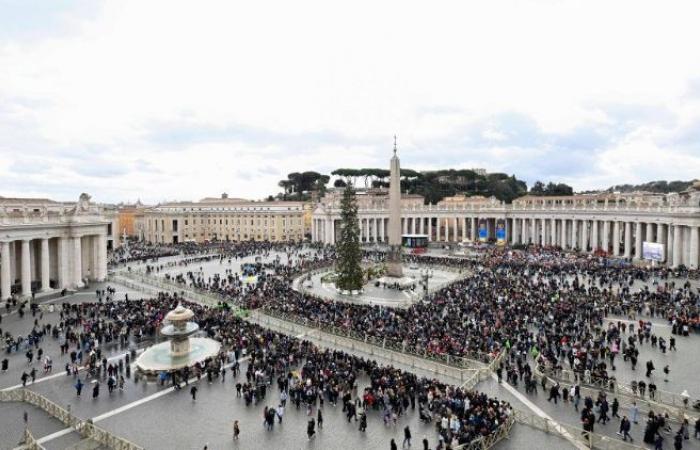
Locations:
{"points": [[394, 259]]}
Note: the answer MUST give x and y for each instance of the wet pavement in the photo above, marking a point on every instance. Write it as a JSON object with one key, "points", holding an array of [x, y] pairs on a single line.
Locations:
{"points": [[157, 417]]}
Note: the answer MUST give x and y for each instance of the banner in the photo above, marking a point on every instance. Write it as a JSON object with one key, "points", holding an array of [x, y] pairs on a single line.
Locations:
{"points": [[483, 231], [500, 232], [652, 251]]}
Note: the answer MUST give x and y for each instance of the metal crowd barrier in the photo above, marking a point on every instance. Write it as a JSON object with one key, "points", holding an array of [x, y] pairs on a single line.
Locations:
{"points": [[588, 439], [85, 427], [663, 401]]}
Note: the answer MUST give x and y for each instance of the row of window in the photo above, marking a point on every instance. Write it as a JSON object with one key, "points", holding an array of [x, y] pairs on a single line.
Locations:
{"points": [[285, 221]]}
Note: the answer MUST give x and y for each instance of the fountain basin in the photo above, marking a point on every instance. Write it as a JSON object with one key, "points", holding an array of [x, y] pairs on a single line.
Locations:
{"points": [[159, 358]]}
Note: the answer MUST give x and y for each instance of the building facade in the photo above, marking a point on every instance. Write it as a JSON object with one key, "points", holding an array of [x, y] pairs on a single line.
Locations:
{"points": [[47, 245], [127, 217], [225, 219], [616, 224]]}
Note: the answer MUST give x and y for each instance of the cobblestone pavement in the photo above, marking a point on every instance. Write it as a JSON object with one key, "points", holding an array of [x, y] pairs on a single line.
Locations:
{"points": [[157, 417]]}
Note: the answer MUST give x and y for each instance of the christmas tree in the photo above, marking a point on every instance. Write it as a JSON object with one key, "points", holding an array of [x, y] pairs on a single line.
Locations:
{"points": [[348, 247]]}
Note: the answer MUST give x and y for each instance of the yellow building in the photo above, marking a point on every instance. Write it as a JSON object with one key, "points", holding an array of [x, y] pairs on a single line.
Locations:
{"points": [[224, 219]]}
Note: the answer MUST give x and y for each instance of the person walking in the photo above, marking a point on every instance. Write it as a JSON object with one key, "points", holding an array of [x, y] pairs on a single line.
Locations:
{"points": [[363, 422], [625, 427], [678, 441], [280, 413], [319, 419], [406, 437], [236, 430], [193, 393], [78, 387], [392, 445], [96, 390], [666, 372], [311, 428], [650, 368], [615, 407], [554, 393], [634, 412]]}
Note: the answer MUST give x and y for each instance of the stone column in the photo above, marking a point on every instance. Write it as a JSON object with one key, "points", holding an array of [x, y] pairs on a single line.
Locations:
{"points": [[563, 237], [63, 277], [650, 232], [606, 235], [5, 273], [693, 261], [405, 225], [367, 229], [456, 227], [669, 243], [543, 230], [464, 228], [332, 231], [514, 232], [77, 262], [45, 274], [616, 238], [447, 229], [101, 257], [553, 232], [661, 236], [474, 229], [437, 229], [584, 236], [677, 245], [375, 229], [574, 234], [429, 228], [594, 235], [638, 240], [26, 270], [628, 239]]}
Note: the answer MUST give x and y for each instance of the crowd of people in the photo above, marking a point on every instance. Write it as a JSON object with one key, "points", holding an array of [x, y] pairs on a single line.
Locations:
{"points": [[562, 311]]}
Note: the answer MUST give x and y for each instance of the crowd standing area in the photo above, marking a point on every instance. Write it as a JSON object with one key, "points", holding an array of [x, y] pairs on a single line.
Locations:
{"points": [[547, 309]]}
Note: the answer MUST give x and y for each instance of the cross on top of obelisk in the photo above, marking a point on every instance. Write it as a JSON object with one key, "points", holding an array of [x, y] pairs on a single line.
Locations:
{"points": [[394, 144]]}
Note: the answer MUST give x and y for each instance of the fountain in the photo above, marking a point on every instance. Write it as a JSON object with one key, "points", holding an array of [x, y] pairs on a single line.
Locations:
{"points": [[181, 350]]}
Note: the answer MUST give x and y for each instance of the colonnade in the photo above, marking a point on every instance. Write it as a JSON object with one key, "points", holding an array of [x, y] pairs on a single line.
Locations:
{"points": [[40, 264], [619, 237]]}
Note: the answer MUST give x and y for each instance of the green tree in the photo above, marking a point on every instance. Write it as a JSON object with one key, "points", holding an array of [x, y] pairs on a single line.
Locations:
{"points": [[348, 247]]}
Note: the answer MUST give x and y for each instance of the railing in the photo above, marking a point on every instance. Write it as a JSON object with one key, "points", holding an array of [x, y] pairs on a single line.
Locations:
{"points": [[156, 285], [500, 208], [572, 433], [104, 437], [486, 442], [298, 285], [662, 401], [29, 441], [352, 344], [473, 360], [85, 427]]}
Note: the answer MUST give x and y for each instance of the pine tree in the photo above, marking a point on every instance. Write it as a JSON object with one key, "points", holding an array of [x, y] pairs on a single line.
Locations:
{"points": [[348, 248]]}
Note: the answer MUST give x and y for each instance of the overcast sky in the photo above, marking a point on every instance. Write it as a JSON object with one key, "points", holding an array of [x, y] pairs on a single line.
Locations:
{"points": [[163, 100]]}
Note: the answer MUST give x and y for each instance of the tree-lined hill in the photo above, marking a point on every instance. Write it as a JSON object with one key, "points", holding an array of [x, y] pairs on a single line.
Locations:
{"points": [[661, 186], [437, 184]]}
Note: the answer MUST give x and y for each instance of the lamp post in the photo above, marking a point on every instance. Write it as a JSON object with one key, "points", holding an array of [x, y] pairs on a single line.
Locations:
{"points": [[426, 274]]}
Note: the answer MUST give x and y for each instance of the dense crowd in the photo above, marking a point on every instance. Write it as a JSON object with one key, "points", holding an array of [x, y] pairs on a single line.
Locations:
{"points": [[304, 374], [564, 311]]}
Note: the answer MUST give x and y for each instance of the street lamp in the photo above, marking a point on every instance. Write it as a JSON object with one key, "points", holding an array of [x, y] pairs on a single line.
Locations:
{"points": [[426, 274]]}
